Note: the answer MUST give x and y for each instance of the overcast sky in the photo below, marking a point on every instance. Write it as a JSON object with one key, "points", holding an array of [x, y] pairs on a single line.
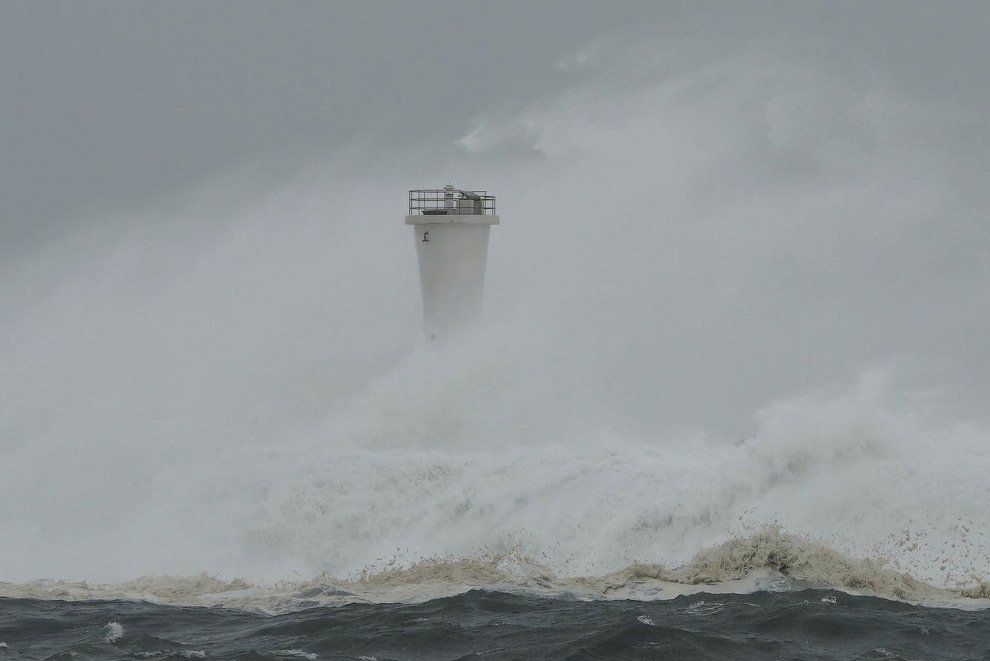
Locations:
{"points": [[107, 105]]}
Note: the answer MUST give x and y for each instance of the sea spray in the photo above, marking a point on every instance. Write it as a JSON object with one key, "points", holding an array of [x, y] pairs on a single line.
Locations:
{"points": [[766, 560]]}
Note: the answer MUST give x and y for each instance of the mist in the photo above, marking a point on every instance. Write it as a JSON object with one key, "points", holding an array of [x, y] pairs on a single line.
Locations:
{"points": [[695, 250]]}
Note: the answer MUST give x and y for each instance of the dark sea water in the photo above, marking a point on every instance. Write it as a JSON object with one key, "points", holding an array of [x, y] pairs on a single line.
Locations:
{"points": [[809, 624]]}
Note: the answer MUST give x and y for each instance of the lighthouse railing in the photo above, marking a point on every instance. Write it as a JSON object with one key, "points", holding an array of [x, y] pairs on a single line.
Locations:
{"points": [[440, 201]]}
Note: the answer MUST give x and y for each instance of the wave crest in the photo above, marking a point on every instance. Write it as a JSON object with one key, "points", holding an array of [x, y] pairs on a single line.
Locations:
{"points": [[767, 560]]}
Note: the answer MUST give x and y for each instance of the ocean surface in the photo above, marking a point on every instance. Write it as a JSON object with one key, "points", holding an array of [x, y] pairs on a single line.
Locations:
{"points": [[805, 624], [762, 597]]}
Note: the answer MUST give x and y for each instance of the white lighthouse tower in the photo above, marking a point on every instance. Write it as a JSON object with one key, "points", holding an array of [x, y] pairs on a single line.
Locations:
{"points": [[451, 229]]}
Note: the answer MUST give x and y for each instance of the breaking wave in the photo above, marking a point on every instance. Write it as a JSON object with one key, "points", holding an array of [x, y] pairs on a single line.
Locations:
{"points": [[394, 499], [769, 560], [832, 491]]}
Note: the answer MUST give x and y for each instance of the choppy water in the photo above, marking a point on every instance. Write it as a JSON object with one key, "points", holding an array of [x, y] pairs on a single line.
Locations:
{"points": [[809, 624]]}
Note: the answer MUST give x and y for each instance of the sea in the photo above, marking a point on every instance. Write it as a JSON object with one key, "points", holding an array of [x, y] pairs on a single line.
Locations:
{"points": [[494, 624]]}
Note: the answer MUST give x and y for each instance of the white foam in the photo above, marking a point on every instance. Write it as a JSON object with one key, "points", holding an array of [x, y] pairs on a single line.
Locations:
{"points": [[296, 653], [113, 631], [769, 560], [830, 476]]}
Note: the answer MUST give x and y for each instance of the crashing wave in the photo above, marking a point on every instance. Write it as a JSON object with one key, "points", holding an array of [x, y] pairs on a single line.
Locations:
{"points": [[768, 560]]}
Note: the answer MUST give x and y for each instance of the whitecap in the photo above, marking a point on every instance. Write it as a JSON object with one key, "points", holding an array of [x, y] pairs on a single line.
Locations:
{"points": [[113, 631]]}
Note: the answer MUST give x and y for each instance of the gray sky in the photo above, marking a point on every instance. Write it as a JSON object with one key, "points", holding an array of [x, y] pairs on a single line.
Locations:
{"points": [[107, 105]]}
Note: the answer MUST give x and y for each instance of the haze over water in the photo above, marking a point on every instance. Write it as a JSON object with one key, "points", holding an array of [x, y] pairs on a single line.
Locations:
{"points": [[735, 288]]}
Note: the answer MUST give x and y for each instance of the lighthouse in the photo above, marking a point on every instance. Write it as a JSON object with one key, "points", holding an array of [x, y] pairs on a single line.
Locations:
{"points": [[450, 228]]}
